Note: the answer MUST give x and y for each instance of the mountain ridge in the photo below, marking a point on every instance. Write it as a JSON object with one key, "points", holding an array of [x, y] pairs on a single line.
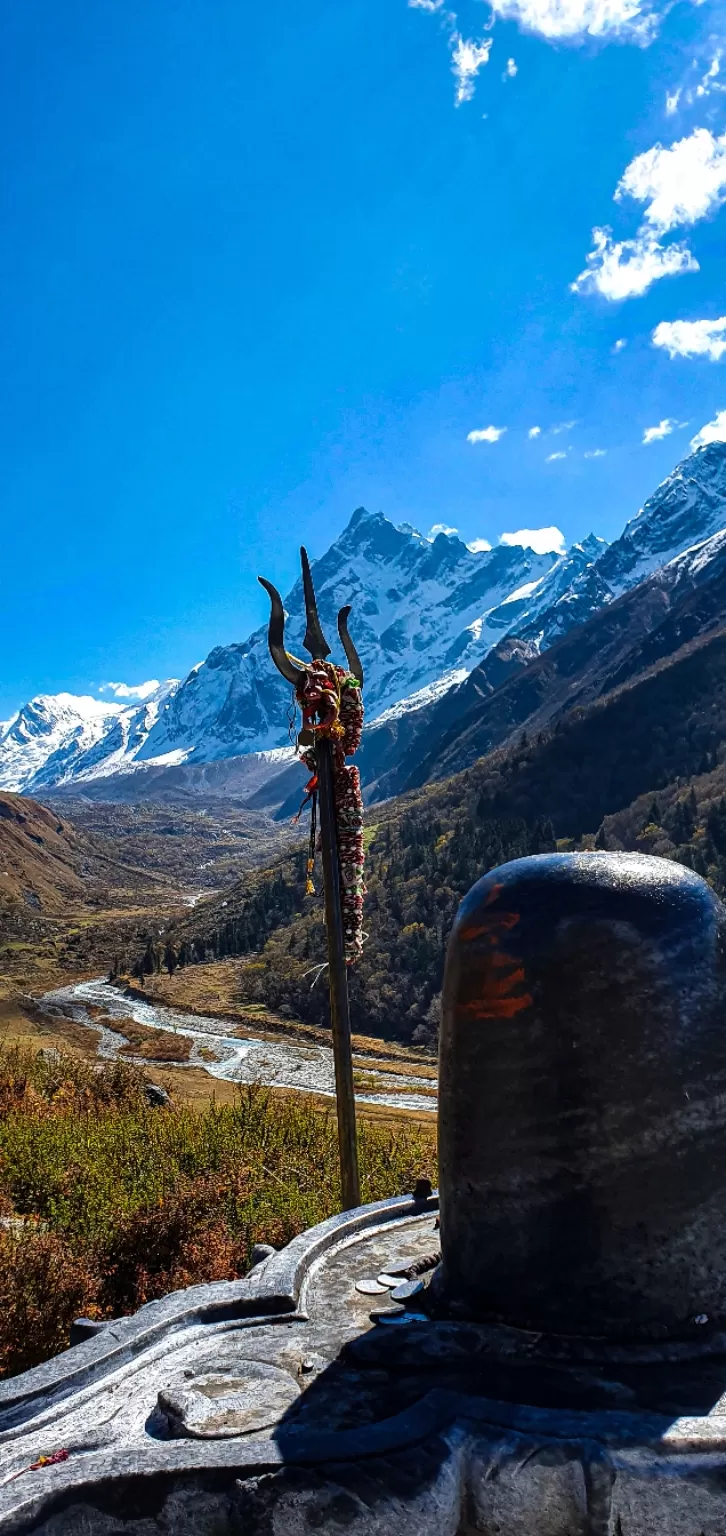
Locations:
{"points": [[424, 612], [513, 682], [440, 628]]}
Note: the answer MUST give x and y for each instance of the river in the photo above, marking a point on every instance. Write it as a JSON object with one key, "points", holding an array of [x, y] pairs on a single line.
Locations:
{"points": [[279, 1063]]}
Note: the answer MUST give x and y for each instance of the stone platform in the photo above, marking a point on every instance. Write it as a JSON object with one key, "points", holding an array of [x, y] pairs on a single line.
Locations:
{"points": [[293, 1401]]}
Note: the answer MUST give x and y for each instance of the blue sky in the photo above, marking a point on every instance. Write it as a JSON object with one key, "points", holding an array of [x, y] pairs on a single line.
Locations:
{"points": [[260, 265]]}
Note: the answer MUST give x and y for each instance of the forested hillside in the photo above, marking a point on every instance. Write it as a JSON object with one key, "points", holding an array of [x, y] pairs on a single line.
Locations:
{"points": [[641, 768], [420, 863]]}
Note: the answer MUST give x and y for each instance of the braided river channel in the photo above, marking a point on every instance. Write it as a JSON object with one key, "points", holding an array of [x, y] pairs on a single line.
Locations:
{"points": [[280, 1062]]}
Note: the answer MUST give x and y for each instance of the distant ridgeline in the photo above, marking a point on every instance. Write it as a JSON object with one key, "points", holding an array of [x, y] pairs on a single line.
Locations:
{"points": [[426, 851], [419, 865]]}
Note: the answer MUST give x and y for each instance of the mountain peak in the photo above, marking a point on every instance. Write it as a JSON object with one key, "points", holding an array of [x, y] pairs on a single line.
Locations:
{"points": [[425, 612], [687, 507], [361, 515]]}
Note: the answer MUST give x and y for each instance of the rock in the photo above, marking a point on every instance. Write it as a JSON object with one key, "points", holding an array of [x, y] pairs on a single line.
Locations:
{"points": [[260, 1252], [222, 1404], [83, 1328], [156, 1095]]}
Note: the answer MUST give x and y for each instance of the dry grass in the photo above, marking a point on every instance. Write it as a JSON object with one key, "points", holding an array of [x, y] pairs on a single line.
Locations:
{"points": [[150, 1044], [396, 1067], [121, 1202], [214, 989]]}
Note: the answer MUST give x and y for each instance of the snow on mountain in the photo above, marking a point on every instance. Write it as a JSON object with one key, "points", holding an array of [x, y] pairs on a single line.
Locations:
{"points": [[64, 736], [686, 509], [423, 612]]}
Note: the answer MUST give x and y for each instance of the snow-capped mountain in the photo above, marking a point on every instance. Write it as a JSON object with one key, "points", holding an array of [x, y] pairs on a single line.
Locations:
{"points": [[534, 678], [64, 736], [688, 507], [425, 615]]}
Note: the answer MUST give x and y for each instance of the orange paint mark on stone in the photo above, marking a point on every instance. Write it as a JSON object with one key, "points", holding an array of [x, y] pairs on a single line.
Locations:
{"points": [[495, 984], [492, 928], [495, 988], [496, 1007]]}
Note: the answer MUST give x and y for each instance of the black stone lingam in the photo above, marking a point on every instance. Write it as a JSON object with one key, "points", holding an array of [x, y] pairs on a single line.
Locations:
{"points": [[582, 1120]]}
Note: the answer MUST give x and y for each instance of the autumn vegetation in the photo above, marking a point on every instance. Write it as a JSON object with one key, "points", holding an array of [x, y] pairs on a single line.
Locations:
{"points": [[106, 1202]]}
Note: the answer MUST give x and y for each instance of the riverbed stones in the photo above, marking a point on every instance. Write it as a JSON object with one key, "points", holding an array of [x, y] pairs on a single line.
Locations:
{"points": [[582, 1124]]}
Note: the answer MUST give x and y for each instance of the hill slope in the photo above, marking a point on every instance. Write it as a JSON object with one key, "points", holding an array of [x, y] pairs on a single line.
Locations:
{"points": [[515, 687], [48, 868], [42, 858]]}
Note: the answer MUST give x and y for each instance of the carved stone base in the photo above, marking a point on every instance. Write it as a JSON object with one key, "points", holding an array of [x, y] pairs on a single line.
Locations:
{"points": [[275, 1406]]}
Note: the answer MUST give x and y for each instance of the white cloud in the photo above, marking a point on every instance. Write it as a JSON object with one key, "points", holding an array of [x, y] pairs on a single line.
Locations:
{"points": [[595, 453], [467, 58], [713, 432], [687, 94], [663, 429], [692, 338], [485, 435], [622, 20], [510, 71], [131, 691], [543, 541], [479, 546], [679, 185], [623, 269], [438, 528], [563, 426], [534, 431], [552, 456], [620, 344], [710, 81]]}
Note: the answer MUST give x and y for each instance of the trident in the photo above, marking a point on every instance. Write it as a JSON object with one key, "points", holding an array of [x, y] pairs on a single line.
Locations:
{"points": [[293, 672]]}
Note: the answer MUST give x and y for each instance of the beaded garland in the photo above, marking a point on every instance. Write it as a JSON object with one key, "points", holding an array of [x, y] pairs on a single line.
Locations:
{"points": [[332, 708]]}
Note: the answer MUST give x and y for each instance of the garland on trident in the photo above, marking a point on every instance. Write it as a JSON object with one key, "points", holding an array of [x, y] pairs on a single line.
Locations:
{"points": [[330, 699], [332, 709]]}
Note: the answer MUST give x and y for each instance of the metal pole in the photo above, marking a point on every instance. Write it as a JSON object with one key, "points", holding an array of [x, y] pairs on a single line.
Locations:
{"points": [[338, 977]]}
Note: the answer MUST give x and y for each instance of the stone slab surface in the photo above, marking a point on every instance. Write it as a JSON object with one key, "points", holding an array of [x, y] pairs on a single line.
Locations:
{"points": [[275, 1406]]}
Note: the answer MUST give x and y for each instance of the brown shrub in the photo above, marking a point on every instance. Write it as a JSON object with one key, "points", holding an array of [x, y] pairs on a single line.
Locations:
{"points": [[43, 1286], [185, 1240]]}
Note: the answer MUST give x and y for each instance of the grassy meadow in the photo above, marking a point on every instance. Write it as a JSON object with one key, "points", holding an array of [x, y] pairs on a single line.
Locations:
{"points": [[106, 1203]]}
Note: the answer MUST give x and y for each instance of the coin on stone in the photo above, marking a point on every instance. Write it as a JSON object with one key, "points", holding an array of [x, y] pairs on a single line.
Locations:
{"points": [[370, 1287], [406, 1290]]}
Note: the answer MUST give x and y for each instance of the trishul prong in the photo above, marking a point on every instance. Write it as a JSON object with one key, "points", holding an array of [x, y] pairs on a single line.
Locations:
{"points": [[354, 661], [276, 636], [315, 642]]}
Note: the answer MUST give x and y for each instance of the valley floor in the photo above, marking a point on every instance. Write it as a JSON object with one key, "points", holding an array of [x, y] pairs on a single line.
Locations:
{"points": [[106, 1201], [181, 1030]]}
